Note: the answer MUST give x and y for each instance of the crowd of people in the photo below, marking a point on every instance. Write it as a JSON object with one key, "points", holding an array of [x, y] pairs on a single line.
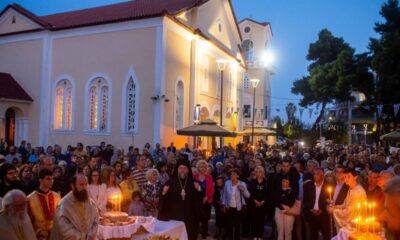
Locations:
{"points": [[55, 194]]}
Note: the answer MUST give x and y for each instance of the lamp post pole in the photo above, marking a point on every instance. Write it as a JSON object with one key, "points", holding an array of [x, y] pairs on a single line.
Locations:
{"points": [[254, 83], [365, 132], [221, 66], [221, 139]]}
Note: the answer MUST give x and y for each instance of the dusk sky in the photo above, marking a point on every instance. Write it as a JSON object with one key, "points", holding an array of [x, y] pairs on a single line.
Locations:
{"points": [[295, 24]]}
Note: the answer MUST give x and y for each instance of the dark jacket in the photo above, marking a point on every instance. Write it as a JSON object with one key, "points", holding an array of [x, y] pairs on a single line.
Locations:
{"points": [[342, 194], [286, 197], [309, 196]]}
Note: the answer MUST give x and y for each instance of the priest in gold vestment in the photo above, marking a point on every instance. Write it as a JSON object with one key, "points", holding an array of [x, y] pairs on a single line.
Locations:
{"points": [[345, 213], [14, 220], [76, 216], [42, 204]]}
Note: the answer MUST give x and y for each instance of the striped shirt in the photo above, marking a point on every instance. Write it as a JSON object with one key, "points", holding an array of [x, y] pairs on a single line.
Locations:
{"points": [[139, 176]]}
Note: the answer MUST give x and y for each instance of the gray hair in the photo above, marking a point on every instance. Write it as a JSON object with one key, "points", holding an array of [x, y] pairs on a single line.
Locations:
{"points": [[9, 197], [313, 162], [201, 162], [150, 172], [392, 187]]}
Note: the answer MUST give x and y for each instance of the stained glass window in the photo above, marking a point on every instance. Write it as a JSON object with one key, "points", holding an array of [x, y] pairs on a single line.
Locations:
{"points": [[98, 105], [131, 106], [94, 104], [63, 105]]}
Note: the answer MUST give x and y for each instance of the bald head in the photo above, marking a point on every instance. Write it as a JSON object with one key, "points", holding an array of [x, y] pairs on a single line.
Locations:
{"points": [[14, 202]]}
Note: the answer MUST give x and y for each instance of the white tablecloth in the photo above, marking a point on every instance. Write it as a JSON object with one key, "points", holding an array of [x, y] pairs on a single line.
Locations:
{"points": [[344, 234], [124, 231], [174, 229]]}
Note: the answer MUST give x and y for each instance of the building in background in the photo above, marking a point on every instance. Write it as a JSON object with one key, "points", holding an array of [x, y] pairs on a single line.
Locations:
{"points": [[256, 47]]}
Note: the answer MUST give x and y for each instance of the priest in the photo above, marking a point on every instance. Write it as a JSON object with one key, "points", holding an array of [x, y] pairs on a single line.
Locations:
{"points": [[42, 204], [180, 198], [14, 220], [76, 215], [345, 213]]}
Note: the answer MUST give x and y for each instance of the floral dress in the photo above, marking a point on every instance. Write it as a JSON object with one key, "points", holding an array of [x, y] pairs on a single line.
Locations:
{"points": [[151, 193]]}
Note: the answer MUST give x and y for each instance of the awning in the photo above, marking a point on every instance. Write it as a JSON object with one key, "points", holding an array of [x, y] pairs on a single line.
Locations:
{"points": [[393, 136], [206, 128], [258, 131]]}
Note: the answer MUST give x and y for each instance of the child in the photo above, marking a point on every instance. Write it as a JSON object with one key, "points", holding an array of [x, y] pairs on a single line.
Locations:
{"points": [[137, 207], [219, 214]]}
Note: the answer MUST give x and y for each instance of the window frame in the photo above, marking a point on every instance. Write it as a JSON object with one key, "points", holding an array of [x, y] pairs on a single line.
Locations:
{"points": [[70, 84], [100, 86]]}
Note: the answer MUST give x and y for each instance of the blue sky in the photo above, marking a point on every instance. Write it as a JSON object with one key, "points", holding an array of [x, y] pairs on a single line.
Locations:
{"points": [[295, 24]]}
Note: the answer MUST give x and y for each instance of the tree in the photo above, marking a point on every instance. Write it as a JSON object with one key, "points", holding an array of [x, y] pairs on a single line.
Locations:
{"points": [[386, 62], [335, 70], [290, 111]]}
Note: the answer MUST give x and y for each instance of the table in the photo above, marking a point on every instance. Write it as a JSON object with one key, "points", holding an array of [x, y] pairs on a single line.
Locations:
{"points": [[345, 232], [172, 228]]}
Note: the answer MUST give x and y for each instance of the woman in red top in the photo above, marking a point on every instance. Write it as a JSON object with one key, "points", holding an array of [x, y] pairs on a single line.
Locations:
{"points": [[206, 182]]}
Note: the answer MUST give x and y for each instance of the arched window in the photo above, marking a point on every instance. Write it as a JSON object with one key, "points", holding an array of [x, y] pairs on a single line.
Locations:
{"points": [[98, 105], [63, 105], [179, 105], [248, 49], [131, 104], [205, 75]]}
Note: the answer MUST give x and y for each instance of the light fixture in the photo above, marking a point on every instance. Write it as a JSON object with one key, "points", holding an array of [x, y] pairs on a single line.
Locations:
{"points": [[197, 113], [254, 82], [267, 57], [221, 64]]}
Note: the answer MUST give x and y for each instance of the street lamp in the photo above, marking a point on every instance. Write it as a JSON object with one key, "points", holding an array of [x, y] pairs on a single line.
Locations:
{"points": [[196, 121], [221, 67], [254, 83], [365, 132]]}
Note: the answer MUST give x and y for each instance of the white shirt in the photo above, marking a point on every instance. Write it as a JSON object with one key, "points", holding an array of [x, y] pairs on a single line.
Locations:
{"points": [[337, 190], [233, 197], [317, 194], [98, 193]]}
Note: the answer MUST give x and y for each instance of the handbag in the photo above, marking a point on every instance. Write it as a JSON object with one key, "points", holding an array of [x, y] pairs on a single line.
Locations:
{"points": [[295, 210]]}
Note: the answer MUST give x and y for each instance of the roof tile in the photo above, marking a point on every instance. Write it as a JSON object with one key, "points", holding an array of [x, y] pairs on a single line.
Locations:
{"points": [[11, 89]]}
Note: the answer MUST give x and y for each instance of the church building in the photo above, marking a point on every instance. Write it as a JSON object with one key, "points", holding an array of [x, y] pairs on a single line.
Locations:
{"points": [[127, 73]]}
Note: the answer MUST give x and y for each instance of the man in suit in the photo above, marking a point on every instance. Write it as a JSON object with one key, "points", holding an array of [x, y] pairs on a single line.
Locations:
{"points": [[171, 148], [314, 204], [341, 188], [340, 192]]}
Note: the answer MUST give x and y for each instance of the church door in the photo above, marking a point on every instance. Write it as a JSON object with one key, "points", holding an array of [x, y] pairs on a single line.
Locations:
{"points": [[10, 126]]}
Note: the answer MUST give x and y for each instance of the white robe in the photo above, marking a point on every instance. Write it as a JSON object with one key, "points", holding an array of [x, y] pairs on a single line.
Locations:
{"points": [[68, 224], [345, 213], [8, 232]]}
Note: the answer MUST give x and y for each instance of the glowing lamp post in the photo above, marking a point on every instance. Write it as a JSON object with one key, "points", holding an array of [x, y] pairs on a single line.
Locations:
{"points": [[254, 83], [221, 67]]}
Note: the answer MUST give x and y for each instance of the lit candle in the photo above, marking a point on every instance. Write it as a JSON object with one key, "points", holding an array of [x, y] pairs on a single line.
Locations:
{"points": [[330, 194], [120, 198]]}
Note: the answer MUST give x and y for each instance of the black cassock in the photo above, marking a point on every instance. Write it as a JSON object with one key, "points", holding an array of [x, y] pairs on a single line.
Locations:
{"points": [[173, 207]]}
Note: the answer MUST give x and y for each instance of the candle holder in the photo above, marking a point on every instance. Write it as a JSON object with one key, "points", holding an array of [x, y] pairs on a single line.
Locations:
{"points": [[365, 222]]}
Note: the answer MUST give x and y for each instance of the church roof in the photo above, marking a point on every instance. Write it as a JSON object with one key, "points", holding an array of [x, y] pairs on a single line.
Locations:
{"points": [[254, 21], [11, 89], [130, 10]]}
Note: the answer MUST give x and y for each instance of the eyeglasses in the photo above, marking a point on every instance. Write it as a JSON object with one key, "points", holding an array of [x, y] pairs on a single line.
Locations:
{"points": [[96, 175]]}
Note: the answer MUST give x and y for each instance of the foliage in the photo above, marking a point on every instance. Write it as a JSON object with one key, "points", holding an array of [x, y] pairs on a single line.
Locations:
{"points": [[335, 70], [386, 63], [293, 129]]}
